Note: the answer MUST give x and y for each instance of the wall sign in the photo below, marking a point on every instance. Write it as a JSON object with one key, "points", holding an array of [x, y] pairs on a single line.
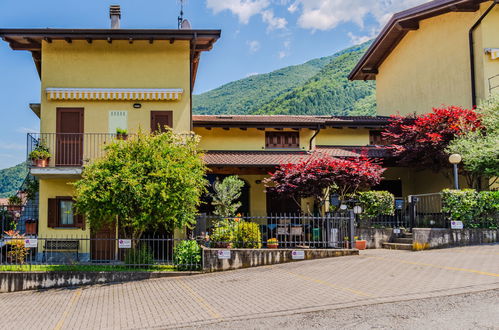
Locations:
{"points": [[396, 230], [125, 243], [31, 242], [224, 254], [456, 225], [298, 255]]}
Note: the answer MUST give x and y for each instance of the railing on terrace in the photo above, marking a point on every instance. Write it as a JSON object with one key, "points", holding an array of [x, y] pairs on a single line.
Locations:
{"points": [[73, 149], [333, 230]]}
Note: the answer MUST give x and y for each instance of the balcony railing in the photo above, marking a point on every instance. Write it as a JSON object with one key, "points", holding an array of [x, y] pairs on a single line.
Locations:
{"points": [[72, 149], [69, 149]]}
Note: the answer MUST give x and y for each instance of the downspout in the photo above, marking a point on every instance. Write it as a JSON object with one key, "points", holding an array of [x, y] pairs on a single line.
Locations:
{"points": [[472, 52], [313, 137], [191, 87]]}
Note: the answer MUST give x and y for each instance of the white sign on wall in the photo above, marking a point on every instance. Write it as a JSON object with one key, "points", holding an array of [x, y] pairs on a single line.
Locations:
{"points": [[456, 225], [298, 255], [396, 230], [224, 254], [125, 243], [31, 242]]}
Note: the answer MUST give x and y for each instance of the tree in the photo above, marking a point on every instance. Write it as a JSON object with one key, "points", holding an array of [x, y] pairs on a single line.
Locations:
{"points": [[320, 175], [225, 194], [480, 148], [421, 141], [147, 182]]}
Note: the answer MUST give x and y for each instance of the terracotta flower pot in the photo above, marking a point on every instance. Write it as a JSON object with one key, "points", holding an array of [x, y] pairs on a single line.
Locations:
{"points": [[122, 136], [41, 162], [273, 246], [361, 244]]}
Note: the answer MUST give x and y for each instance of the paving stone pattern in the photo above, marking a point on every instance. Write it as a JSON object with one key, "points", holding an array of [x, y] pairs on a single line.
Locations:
{"points": [[376, 276]]}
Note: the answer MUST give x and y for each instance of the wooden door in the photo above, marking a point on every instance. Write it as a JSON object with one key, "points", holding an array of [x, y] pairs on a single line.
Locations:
{"points": [[69, 137], [103, 244], [278, 204], [160, 119]]}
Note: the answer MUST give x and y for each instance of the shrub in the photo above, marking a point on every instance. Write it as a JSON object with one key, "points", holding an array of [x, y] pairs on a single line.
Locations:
{"points": [[247, 235], [139, 256], [376, 203], [17, 252], [187, 255], [474, 209], [15, 200], [222, 234]]}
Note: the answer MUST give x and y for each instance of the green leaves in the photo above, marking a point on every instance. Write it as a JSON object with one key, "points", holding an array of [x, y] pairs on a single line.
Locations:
{"points": [[376, 203], [226, 192], [145, 182], [474, 209]]}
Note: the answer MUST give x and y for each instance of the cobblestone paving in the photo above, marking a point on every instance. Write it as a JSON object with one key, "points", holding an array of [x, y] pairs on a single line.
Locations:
{"points": [[376, 276]]}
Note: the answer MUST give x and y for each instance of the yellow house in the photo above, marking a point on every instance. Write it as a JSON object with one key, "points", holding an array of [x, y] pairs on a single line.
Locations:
{"points": [[94, 82], [444, 52]]}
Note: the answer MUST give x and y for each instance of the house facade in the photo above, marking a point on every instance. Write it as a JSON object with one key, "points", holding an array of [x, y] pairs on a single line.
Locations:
{"points": [[444, 52]]}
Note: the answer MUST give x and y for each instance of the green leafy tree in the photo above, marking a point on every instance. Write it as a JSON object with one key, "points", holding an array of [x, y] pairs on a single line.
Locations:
{"points": [[225, 196], [146, 182], [480, 149]]}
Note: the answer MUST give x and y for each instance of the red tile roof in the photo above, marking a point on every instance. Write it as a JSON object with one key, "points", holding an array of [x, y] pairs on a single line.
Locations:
{"points": [[216, 158]]}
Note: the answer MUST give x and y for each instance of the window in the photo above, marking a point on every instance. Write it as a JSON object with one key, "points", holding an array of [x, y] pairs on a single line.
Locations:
{"points": [[375, 138], [118, 119], [282, 140], [61, 213]]}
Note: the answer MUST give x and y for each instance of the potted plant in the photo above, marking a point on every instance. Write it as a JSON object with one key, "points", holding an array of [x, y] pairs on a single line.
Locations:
{"points": [[222, 237], [272, 243], [15, 203], [121, 134], [40, 156], [360, 244]]}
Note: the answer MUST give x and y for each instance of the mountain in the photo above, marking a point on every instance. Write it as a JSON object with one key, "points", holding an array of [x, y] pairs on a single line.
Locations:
{"points": [[11, 179], [317, 87]]}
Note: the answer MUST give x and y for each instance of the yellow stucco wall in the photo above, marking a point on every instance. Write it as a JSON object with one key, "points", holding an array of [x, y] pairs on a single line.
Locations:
{"points": [[116, 65], [431, 67], [487, 37], [236, 139], [343, 137]]}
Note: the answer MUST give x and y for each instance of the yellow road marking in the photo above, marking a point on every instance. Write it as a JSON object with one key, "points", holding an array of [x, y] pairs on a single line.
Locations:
{"points": [[72, 302], [440, 267], [357, 292], [200, 300]]}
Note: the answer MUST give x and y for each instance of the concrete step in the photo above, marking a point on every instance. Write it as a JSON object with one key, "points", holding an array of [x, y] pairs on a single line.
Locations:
{"points": [[406, 234], [403, 240], [397, 246]]}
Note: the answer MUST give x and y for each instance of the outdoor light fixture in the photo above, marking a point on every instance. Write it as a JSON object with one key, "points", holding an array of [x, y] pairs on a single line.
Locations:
{"points": [[455, 159], [137, 105], [357, 209], [343, 207]]}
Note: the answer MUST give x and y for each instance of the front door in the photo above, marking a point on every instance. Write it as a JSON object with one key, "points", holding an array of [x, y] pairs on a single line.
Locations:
{"points": [[103, 244], [160, 119], [69, 137]]}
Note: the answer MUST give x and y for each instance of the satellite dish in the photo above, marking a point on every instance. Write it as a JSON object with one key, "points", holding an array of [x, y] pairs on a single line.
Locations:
{"points": [[186, 25]]}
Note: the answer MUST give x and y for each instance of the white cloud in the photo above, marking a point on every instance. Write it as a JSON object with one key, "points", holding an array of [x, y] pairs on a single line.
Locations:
{"points": [[254, 45], [285, 51], [327, 14], [272, 21], [251, 74]]}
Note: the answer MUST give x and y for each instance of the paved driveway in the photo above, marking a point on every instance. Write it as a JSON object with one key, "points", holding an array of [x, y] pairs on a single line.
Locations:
{"points": [[376, 276]]}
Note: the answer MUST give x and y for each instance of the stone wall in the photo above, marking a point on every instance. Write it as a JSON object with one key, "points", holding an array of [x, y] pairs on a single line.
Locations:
{"points": [[374, 236], [245, 258], [441, 237]]}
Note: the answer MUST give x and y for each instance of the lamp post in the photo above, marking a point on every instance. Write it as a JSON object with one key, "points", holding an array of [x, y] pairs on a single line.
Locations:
{"points": [[455, 159]]}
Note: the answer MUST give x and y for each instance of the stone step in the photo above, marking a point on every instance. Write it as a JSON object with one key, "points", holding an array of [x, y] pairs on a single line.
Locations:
{"points": [[397, 246], [403, 240], [406, 234]]}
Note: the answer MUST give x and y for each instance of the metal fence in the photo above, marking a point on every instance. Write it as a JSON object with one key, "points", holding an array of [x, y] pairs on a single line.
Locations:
{"points": [[334, 230], [84, 253], [426, 211]]}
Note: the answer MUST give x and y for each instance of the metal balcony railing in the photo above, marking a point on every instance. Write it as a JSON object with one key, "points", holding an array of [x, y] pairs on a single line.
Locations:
{"points": [[71, 149]]}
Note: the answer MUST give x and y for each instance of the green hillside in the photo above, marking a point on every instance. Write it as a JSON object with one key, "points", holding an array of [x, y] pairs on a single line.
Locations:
{"points": [[319, 87], [11, 179]]}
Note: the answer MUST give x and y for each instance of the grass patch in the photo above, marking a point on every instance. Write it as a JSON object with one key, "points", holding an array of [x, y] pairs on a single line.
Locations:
{"points": [[85, 268]]}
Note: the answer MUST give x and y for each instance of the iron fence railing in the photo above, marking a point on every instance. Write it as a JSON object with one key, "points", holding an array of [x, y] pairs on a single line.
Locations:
{"points": [[85, 253], [333, 230], [425, 211]]}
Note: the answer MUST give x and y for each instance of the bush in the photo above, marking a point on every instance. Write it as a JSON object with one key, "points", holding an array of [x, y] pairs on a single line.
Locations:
{"points": [[247, 235], [187, 255], [222, 234], [474, 209], [139, 256], [376, 203]]}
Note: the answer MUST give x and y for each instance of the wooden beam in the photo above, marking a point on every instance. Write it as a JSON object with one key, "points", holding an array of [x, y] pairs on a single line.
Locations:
{"points": [[243, 128], [408, 25], [260, 128], [172, 40], [151, 41], [226, 128], [68, 40], [130, 40], [31, 40], [47, 39], [466, 7], [370, 70], [208, 128], [109, 40], [89, 40]]}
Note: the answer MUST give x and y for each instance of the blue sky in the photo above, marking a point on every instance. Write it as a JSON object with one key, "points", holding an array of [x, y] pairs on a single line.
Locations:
{"points": [[257, 36]]}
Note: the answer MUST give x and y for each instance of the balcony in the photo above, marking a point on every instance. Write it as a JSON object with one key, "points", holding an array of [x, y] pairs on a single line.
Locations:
{"points": [[69, 152]]}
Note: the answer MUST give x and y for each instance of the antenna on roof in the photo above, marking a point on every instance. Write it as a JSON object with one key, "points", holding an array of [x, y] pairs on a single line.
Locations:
{"points": [[182, 24]]}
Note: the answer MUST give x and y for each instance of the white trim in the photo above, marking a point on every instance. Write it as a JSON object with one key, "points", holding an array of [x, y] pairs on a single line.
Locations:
{"points": [[48, 172], [118, 94]]}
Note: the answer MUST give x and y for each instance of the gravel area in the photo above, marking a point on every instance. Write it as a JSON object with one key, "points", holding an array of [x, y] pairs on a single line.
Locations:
{"points": [[466, 311]]}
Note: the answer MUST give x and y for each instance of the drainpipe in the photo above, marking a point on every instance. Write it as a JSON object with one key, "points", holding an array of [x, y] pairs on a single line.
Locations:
{"points": [[313, 137], [472, 52]]}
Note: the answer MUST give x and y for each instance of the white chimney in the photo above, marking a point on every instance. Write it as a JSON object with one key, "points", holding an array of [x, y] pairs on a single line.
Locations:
{"points": [[115, 15]]}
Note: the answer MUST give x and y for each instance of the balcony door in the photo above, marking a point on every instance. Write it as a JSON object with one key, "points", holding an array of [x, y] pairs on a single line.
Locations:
{"points": [[69, 137]]}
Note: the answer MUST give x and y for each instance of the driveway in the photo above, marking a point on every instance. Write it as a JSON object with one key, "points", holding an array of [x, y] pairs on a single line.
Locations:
{"points": [[376, 276]]}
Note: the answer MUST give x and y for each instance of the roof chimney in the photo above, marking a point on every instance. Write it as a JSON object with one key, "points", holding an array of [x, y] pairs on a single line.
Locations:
{"points": [[115, 15]]}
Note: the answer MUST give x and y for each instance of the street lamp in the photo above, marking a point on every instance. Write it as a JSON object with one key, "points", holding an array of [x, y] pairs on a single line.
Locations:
{"points": [[455, 159]]}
